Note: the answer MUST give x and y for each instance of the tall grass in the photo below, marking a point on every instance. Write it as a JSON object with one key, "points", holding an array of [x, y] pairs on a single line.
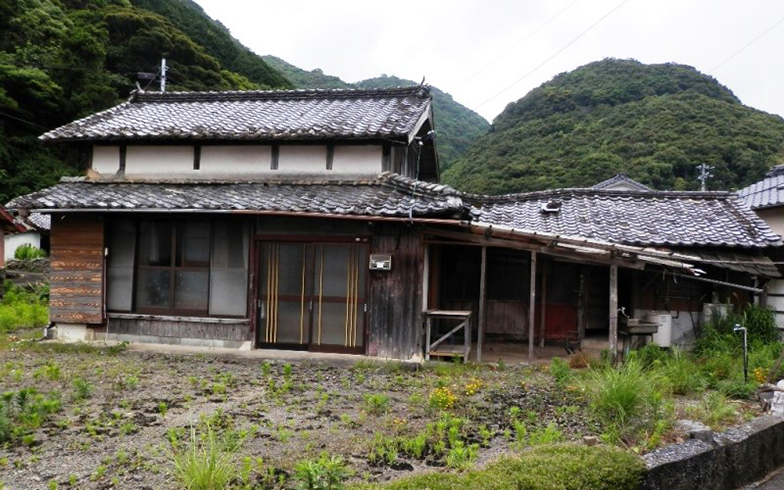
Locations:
{"points": [[206, 463]]}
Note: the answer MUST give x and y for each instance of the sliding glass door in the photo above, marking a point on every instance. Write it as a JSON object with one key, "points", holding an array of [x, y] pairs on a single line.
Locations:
{"points": [[312, 295]]}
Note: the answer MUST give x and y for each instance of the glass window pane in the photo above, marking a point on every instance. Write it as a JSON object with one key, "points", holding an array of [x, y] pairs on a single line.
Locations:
{"points": [[193, 244], [190, 290], [336, 270], [152, 288], [229, 269], [155, 243], [121, 242]]}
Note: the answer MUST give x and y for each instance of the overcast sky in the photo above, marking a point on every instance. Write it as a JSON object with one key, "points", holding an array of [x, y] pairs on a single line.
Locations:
{"points": [[489, 53]]}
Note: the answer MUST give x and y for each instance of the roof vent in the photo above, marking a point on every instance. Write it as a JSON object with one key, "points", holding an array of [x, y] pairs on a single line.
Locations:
{"points": [[551, 206]]}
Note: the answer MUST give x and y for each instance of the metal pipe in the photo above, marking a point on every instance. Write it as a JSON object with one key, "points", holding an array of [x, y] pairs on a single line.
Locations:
{"points": [[720, 283], [738, 328]]}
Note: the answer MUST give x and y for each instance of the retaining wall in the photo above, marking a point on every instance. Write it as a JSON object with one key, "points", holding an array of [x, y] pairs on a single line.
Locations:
{"points": [[737, 457]]}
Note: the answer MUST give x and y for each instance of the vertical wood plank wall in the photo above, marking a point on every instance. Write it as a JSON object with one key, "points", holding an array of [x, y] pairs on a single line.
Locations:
{"points": [[395, 306], [77, 273]]}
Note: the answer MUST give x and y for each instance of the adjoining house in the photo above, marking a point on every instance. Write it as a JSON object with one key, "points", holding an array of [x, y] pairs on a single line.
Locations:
{"points": [[7, 226], [621, 182], [314, 220], [34, 233], [766, 199]]}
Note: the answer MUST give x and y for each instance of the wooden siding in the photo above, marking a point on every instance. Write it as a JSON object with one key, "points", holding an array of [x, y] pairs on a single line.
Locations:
{"points": [[180, 329], [395, 302], [77, 274]]}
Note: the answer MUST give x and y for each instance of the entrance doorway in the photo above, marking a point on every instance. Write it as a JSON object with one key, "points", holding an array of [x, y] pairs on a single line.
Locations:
{"points": [[312, 296]]}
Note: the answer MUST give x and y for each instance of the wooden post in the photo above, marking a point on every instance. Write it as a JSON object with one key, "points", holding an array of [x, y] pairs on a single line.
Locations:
{"points": [[427, 336], [531, 307], [481, 328], [543, 303], [613, 312]]}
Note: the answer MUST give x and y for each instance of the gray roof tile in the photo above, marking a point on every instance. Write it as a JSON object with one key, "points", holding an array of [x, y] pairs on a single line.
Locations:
{"points": [[767, 193], [657, 218], [255, 115], [388, 195]]}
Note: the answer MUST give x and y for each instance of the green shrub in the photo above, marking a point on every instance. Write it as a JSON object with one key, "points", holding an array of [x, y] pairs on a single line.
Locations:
{"points": [[82, 389], [714, 410], [550, 467], [28, 252], [26, 410], [205, 464], [20, 308], [650, 356]]}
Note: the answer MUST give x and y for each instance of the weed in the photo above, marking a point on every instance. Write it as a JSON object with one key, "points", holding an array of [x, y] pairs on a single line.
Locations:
{"points": [[714, 410], [163, 408], [50, 371], [461, 455], [266, 367], [376, 404], [560, 370], [548, 435], [325, 473], [82, 389]]}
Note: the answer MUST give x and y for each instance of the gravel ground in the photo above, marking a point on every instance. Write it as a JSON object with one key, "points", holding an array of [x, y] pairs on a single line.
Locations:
{"points": [[121, 435]]}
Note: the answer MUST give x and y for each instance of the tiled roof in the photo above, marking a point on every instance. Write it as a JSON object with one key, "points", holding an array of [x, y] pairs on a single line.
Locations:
{"points": [[621, 182], [389, 195], [256, 115], [650, 218], [653, 218], [40, 221], [767, 193]]}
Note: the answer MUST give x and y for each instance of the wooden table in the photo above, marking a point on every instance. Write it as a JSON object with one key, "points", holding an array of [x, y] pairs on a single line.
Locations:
{"points": [[464, 316]]}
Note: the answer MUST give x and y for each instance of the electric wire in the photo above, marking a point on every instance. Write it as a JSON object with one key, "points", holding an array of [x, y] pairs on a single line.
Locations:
{"points": [[747, 46], [515, 45], [22, 120], [551, 57]]}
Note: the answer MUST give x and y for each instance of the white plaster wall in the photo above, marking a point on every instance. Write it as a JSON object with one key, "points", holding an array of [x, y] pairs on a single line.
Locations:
{"points": [[246, 161], [357, 160], [12, 242], [303, 160], [106, 159], [774, 217], [159, 161]]}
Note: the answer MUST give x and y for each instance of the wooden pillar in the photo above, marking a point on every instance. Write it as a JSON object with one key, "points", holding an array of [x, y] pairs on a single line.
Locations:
{"points": [[543, 302], [613, 312], [481, 328], [531, 308]]}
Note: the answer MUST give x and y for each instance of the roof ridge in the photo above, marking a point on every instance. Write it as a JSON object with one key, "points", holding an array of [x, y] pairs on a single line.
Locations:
{"points": [[245, 95], [587, 191]]}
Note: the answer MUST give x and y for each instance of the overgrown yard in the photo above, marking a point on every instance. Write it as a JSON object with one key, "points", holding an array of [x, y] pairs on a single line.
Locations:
{"points": [[76, 416]]}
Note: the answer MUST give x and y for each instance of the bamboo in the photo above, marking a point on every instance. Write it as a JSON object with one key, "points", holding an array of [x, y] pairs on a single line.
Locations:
{"points": [[357, 265], [275, 293], [267, 316], [349, 277]]}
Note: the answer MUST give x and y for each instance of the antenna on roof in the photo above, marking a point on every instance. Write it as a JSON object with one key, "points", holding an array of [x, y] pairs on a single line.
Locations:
{"points": [[422, 84], [163, 75], [705, 174]]}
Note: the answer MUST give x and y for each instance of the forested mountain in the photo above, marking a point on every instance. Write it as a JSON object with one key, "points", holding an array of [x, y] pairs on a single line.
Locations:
{"points": [[656, 123], [456, 125], [64, 59]]}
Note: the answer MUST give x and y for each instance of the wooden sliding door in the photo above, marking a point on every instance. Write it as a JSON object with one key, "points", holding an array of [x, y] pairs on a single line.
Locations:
{"points": [[312, 295]]}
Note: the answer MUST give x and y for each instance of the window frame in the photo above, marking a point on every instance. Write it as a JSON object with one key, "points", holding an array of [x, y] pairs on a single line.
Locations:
{"points": [[174, 229], [173, 225]]}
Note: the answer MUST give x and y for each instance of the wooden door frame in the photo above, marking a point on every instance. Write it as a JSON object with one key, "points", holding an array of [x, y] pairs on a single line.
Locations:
{"points": [[308, 241]]}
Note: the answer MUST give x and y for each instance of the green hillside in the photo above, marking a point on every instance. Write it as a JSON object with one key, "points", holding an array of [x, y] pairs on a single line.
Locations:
{"points": [[456, 125], [654, 122], [64, 59]]}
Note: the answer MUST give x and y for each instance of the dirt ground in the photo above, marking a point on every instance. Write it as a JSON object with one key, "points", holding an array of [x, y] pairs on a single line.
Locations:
{"points": [[121, 434]]}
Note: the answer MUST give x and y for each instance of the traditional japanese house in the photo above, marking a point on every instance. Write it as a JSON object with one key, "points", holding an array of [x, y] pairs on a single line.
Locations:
{"points": [[314, 220], [8, 226]]}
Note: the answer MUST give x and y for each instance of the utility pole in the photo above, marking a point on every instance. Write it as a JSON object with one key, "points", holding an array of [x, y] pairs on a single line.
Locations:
{"points": [[705, 174], [163, 74]]}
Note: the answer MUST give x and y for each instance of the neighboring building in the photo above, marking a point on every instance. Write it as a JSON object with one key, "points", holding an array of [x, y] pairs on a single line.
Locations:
{"points": [[621, 182], [35, 234], [766, 198], [7, 226], [314, 220]]}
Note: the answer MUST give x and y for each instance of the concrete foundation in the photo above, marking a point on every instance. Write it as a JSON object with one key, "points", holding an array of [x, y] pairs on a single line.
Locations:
{"points": [[72, 332], [245, 345]]}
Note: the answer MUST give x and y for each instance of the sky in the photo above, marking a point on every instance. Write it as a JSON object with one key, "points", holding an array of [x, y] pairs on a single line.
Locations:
{"points": [[488, 53]]}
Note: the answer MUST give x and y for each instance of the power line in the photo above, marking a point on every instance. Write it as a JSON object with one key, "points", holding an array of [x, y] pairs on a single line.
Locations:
{"points": [[747, 46], [518, 43], [22, 120], [554, 54]]}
